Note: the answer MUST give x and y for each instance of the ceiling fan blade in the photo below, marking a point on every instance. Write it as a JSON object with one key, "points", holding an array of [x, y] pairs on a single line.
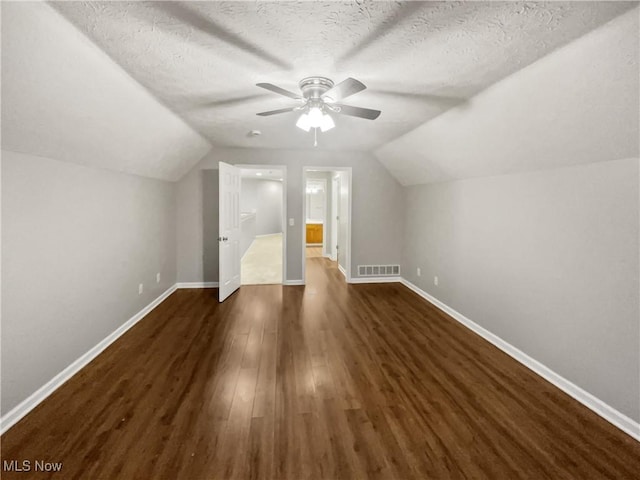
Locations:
{"points": [[281, 91], [344, 89], [275, 112], [359, 112]]}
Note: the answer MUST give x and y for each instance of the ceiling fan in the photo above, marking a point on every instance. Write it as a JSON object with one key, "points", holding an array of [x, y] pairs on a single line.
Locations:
{"points": [[320, 97]]}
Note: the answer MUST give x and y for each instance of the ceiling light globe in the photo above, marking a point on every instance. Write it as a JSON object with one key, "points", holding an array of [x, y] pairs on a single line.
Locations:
{"points": [[315, 117], [303, 122], [326, 123]]}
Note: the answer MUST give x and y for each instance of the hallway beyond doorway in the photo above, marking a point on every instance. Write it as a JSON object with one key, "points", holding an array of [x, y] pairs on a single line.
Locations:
{"points": [[313, 252], [326, 209], [262, 264]]}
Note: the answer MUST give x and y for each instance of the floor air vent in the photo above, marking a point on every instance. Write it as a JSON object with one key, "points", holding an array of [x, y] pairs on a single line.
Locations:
{"points": [[378, 270]]}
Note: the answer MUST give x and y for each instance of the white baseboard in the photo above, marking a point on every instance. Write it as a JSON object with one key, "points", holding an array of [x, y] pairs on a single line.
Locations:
{"points": [[293, 282], [375, 280], [24, 407], [314, 244], [197, 285], [342, 270], [620, 420]]}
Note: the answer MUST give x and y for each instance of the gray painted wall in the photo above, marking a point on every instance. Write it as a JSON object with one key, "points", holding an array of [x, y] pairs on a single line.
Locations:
{"points": [[190, 227], [378, 207], [264, 197], [76, 242], [548, 261], [210, 215], [197, 226]]}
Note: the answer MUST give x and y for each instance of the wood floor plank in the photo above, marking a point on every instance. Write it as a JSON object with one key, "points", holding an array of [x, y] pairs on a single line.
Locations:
{"points": [[231, 456], [260, 454], [367, 445], [264, 402], [323, 381]]}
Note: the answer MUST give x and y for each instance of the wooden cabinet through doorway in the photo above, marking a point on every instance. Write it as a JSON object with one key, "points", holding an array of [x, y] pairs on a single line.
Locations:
{"points": [[314, 233]]}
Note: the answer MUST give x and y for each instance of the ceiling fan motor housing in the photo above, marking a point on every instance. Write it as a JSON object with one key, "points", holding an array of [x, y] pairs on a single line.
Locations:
{"points": [[315, 87]]}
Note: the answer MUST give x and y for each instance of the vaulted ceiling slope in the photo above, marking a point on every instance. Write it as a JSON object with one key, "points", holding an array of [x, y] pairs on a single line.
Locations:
{"points": [[63, 98], [418, 59], [580, 104]]}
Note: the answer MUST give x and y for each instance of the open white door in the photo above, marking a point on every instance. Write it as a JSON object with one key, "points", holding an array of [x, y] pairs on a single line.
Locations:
{"points": [[229, 230]]}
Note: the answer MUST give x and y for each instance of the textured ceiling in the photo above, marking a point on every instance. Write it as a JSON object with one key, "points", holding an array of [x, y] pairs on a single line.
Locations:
{"points": [[63, 98], [579, 104], [418, 59]]}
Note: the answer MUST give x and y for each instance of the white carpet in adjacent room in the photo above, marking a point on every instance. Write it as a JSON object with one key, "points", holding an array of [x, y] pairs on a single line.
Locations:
{"points": [[262, 263]]}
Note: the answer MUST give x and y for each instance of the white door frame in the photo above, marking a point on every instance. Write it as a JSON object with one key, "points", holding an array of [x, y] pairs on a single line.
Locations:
{"points": [[284, 209], [333, 203], [349, 172], [326, 213]]}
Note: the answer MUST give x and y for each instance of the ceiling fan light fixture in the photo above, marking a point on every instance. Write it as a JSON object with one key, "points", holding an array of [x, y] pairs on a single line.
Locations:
{"points": [[326, 123], [315, 117], [303, 122], [319, 98]]}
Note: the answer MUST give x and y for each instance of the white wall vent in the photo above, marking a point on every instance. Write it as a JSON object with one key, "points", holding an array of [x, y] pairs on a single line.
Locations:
{"points": [[378, 270]]}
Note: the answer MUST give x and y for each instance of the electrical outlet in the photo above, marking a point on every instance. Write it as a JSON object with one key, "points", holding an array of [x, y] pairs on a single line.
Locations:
{"points": [[158, 277], [140, 289], [435, 281], [419, 273]]}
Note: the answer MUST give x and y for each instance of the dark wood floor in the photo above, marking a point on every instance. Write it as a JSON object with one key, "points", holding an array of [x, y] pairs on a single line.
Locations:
{"points": [[329, 381]]}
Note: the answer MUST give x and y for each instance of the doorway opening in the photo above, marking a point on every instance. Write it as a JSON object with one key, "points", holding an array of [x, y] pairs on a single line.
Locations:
{"points": [[233, 243], [327, 214], [262, 225], [316, 194]]}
